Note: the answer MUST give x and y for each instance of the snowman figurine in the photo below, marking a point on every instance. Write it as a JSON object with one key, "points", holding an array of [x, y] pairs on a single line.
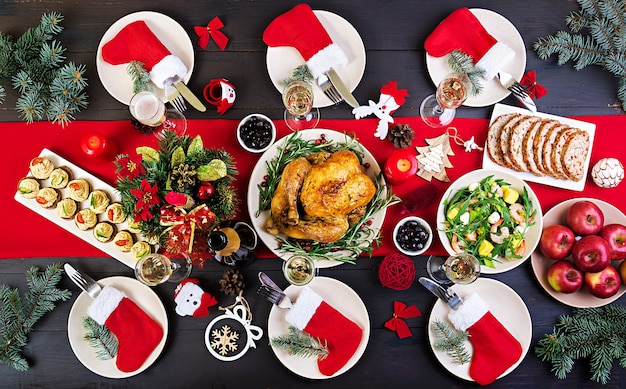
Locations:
{"points": [[391, 98], [191, 300]]}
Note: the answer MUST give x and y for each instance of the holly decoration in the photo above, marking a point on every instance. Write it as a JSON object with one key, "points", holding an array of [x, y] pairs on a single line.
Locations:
{"points": [[433, 159]]}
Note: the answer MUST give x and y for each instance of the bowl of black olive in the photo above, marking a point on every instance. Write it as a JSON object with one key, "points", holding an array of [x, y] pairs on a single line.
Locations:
{"points": [[412, 235], [256, 133]]}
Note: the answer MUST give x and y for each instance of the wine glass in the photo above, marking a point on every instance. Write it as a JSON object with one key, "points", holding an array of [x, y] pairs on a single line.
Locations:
{"points": [[299, 270], [299, 111], [150, 111], [155, 269], [439, 109], [461, 268]]}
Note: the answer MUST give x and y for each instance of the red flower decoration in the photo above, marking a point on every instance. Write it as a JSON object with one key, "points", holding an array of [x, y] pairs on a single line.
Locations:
{"points": [[129, 167], [211, 30], [401, 311], [534, 90], [146, 197]]}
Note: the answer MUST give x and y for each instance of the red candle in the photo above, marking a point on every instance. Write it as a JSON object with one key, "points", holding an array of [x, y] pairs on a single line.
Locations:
{"points": [[95, 144], [400, 166]]}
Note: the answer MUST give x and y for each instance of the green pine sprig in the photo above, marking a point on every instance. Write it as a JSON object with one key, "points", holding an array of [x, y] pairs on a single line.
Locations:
{"points": [[301, 73], [464, 63], [451, 342], [597, 334], [596, 37], [100, 338], [140, 77], [300, 343], [18, 315]]}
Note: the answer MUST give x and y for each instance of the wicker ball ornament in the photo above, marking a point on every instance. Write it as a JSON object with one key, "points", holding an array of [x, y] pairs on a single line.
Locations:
{"points": [[607, 173], [396, 271]]}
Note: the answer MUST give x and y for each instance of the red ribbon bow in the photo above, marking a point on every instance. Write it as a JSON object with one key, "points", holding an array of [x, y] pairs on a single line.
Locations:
{"points": [[211, 30], [534, 90], [401, 311], [183, 224]]}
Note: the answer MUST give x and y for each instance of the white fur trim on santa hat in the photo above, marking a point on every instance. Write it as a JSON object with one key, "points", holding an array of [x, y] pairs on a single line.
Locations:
{"points": [[106, 302], [304, 308], [472, 309], [169, 66], [494, 59], [330, 57]]}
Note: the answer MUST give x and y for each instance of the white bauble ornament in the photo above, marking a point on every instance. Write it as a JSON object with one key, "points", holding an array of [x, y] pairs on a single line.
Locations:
{"points": [[607, 173]]}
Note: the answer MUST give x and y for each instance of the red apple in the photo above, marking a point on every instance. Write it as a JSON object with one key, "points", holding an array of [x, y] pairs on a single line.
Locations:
{"points": [[615, 234], [591, 253], [565, 277], [604, 283], [585, 218], [622, 271], [557, 241]]}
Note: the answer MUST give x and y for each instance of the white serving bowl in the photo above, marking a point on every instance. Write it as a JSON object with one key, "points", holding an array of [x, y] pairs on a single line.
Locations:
{"points": [[244, 120], [426, 227], [532, 235]]}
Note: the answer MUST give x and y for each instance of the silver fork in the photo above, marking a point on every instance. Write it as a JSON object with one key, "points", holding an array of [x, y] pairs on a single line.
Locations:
{"points": [[175, 98], [329, 89], [274, 296], [83, 281]]}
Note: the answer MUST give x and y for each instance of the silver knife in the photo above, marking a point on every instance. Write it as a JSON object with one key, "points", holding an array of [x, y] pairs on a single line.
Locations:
{"points": [[83, 281], [341, 88], [285, 301], [446, 294], [517, 90], [189, 96]]}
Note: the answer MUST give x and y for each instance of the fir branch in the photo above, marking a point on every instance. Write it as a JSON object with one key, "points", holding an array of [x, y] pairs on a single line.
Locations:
{"points": [[140, 77], [301, 73], [451, 342], [464, 63], [301, 344], [19, 315], [100, 338]]}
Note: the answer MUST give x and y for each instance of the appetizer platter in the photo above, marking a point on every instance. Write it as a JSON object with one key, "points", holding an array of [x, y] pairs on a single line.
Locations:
{"points": [[84, 205]]}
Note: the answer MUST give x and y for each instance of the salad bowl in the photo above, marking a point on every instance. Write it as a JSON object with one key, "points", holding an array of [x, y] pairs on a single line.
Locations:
{"points": [[503, 242]]}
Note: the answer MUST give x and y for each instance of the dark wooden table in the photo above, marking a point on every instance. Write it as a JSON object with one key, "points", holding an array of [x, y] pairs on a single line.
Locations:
{"points": [[393, 33]]}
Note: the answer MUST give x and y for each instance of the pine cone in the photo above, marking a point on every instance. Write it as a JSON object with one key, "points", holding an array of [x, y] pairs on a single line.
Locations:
{"points": [[231, 282], [183, 177], [401, 135]]}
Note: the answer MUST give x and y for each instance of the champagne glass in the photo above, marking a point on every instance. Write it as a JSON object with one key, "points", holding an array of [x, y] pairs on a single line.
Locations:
{"points": [[148, 109], [461, 268], [439, 109], [299, 111], [155, 269], [299, 270]]}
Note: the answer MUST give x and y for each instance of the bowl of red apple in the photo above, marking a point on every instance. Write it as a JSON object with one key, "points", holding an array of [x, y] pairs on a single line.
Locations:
{"points": [[580, 259]]}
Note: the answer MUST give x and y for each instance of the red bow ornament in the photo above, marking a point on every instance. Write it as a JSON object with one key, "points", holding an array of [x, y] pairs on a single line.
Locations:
{"points": [[211, 30], [401, 311], [534, 90], [183, 225]]}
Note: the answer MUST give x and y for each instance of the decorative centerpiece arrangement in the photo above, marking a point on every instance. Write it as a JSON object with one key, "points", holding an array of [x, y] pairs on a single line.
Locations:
{"points": [[177, 195]]}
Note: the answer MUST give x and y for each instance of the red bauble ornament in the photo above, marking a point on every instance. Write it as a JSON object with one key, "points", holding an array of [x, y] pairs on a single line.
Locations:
{"points": [[205, 191], [396, 271]]}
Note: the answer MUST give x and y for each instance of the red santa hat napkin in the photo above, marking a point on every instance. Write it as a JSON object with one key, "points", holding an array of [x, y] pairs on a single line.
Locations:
{"points": [[301, 29], [136, 42], [461, 30], [495, 349]]}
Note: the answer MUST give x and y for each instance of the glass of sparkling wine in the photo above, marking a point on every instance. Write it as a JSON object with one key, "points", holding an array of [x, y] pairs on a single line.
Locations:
{"points": [[299, 270], [148, 109], [461, 268], [299, 111], [439, 109], [155, 269]]}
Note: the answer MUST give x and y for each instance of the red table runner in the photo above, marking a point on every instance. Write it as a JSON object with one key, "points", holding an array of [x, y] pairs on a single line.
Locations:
{"points": [[26, 234]]}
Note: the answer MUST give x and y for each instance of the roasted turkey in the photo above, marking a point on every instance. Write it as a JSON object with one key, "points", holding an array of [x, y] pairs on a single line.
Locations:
{"points": [[319, 197]]}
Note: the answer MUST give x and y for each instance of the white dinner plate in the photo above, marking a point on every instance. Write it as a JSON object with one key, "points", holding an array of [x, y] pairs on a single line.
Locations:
{"points": [[501, 109], [144, 297], [115, 78], [532, 235], [505, 305], [503, 31], [68, 224], [281, 61], [338, 295], [541, 264], [260, 170]]}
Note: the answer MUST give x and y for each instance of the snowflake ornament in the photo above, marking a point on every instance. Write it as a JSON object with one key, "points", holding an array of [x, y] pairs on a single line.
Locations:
{"points": [[224, 340]]}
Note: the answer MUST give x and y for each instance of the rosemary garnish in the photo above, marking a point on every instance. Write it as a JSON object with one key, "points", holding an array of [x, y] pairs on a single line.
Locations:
{"points": [[360, 237]]}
